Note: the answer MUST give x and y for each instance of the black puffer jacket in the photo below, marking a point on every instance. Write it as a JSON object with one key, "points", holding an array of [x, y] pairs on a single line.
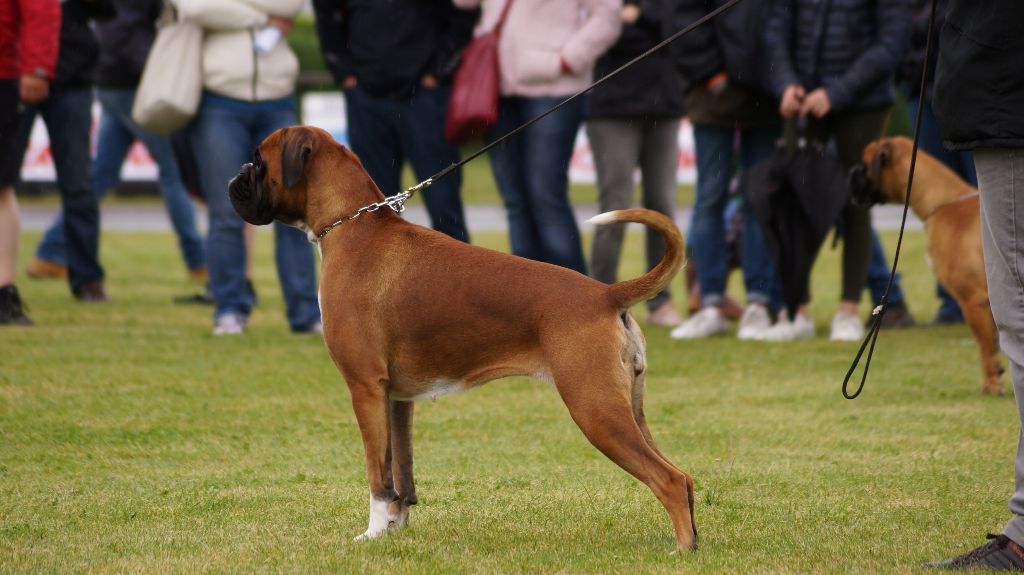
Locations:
{"points": [[652, 87], [849, 47], [914, 65], [979, 83], [732, 43], [79, 51], [125, 42]]}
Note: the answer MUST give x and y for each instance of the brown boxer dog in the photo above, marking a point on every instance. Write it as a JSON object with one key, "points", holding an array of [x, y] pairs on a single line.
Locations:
{"points": [[949, 208], [410, 314]]}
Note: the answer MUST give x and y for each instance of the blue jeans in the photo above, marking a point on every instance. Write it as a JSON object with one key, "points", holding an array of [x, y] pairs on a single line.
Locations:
{"points": [[225, 134], [384, 132], [715, 165], [532, 173], [67, 114], [117, 132]]}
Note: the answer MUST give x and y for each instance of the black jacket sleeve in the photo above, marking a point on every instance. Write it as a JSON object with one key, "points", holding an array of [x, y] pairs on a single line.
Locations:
{"points": [[330, 28], [699, 56], [456, 32], [881, 58], [778, 36]]}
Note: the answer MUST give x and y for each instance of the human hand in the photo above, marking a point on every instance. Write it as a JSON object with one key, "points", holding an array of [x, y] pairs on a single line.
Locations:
{"points": [[816, 103], [282, 24], [630, 13], [349, 82], [429, 81], [792, 101], [33, 89]]}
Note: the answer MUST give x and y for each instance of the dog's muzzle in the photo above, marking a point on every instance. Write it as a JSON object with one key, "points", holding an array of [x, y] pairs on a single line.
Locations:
{"points": [[863, 191], [244, 191]]}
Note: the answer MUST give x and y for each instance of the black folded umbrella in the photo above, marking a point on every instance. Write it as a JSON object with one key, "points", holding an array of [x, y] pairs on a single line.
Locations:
{"points": [[797, 196]]}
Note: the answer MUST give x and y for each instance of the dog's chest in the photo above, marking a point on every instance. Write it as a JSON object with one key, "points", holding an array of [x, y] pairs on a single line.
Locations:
{"points": [[427, 390]]}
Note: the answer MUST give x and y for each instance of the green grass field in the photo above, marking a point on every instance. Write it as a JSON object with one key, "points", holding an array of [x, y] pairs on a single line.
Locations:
{"points": [[132, 440]]}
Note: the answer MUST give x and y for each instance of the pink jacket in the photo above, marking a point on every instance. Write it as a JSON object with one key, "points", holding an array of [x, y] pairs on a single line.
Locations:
{"points": [[539, 34]]}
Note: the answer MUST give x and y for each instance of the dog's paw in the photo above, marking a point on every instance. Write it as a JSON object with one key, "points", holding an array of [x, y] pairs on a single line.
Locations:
{"points": [[367, 535]]}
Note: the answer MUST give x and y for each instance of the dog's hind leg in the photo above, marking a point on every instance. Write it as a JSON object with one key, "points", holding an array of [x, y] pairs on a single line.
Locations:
{"points": [[605, 415], [401, 463], [978, 314], [371, 407]]}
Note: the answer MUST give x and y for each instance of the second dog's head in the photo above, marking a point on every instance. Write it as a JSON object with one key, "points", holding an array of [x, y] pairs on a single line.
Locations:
{"points": [[298, 176], [875, 180]]}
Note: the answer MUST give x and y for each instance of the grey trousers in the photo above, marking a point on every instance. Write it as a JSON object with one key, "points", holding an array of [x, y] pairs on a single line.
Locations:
{"points": [[620, 146], [1001, 182]]}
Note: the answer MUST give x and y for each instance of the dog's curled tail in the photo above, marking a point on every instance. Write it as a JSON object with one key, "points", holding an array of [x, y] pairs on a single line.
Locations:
{"points": [[627, 293]]}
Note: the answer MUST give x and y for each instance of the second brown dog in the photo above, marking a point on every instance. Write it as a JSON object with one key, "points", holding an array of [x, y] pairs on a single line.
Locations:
{"points": [[950, 210]]}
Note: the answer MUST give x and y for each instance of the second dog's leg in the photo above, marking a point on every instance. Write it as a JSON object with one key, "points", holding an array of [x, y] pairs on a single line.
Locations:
{"points": [[979, 317], [605, 416], [401, 463], [371, 407]]}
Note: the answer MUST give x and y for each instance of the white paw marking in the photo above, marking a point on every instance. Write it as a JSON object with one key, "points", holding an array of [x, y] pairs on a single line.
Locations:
{"points": [[380, 520]]}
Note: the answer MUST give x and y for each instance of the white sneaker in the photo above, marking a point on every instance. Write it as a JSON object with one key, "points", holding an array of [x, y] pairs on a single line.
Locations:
{"points": [[846, 327], [802, 327], [707, 322], [229, 324], [755, 321]]}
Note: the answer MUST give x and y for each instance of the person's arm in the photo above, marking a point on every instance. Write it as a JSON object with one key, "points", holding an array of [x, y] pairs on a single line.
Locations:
{"points": [[457, 31], [281, 8], [37, 46], [221, 14], [778, 36], [467, 4], [330, 28], [892, 19], [598, 33], [698, 54]]}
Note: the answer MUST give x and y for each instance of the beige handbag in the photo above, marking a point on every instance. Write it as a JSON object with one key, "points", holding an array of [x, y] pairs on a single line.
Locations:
{"points": [[172, 80]]}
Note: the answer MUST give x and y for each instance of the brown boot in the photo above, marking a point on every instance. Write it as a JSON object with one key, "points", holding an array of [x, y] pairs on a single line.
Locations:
{"points": [[91, 292], [45, 270]]}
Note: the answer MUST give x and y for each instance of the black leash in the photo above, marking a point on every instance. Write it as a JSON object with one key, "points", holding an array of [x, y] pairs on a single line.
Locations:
{"points": [[879, 312], [659, 46]]}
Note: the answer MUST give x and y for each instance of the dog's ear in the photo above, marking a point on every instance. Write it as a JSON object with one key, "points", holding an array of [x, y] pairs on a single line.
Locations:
{"points": [[294, 153], [881, 158]]}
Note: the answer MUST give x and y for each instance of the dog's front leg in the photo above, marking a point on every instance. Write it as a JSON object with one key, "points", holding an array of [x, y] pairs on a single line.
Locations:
{"points": [[370, 404]]}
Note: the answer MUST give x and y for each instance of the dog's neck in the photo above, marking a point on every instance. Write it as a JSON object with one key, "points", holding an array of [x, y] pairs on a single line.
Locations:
{"points": [[333, 199], [935, 186]]}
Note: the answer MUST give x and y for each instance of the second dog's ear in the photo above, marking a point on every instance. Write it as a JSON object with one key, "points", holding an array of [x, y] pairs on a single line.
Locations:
{"points": [[294, 153], [881, 158]]}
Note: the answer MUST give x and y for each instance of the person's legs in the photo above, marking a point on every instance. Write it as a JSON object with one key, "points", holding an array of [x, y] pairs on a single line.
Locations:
{"points": [[293, 254], [68, 119], [547, 149], [423, 141], [879, 269], [756, 146], [659, 158], [509, 168], [180, 209], [221, 138], [714, 148], [615, 145], [373, 134], [1000, 173]]}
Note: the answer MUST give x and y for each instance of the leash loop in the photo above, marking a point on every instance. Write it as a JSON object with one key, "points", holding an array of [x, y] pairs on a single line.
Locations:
{"points": [[879, 312]]}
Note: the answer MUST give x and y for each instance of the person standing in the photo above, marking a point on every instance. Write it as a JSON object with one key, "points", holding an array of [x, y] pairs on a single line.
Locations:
{"points": [[729, 102], [633, 121], [833, 63], [249, 75], [978, 98], [546, 53], [29, 40], [124, 43], [394, 61]]}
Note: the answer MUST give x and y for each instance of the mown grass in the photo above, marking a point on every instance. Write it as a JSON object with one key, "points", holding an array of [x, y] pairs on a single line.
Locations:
{"points": [[132, 440]]}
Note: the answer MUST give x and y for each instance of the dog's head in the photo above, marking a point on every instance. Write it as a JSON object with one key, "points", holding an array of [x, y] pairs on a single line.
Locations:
{"points": [[288, 171], [875, 180]]}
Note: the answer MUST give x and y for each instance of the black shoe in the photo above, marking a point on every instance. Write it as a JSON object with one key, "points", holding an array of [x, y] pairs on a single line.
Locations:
{"points": [[91, 292], [947, 319], [999, 554], [897, 316], [11, 309]]}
